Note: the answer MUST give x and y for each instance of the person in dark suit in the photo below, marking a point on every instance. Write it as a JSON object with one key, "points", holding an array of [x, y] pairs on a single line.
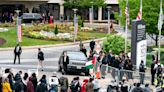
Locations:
{"points": [[153, 72], [92, 45], [65, 62], [40, 58], [17, 53]]}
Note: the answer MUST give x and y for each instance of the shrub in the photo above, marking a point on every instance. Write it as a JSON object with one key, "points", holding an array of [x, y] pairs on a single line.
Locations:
{"points": [[56, 30], [116, 43]]}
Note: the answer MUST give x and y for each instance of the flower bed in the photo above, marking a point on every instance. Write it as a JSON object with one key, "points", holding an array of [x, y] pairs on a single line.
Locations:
{"points": [[46, 32], [7, 25]]}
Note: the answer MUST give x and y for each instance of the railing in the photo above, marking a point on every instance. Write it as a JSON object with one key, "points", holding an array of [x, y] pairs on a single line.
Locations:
{"points": [[119, 74]]}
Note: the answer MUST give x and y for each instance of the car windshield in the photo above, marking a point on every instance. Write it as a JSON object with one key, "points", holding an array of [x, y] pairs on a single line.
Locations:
{"points": [[76, 55]]}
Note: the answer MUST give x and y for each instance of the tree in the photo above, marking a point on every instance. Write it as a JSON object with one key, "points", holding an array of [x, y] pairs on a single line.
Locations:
{"points": [[56, 30], [150, 14], [115, 43]]}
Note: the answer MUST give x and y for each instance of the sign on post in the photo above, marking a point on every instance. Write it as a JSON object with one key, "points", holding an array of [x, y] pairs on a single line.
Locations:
{"points": [[138, 43]]}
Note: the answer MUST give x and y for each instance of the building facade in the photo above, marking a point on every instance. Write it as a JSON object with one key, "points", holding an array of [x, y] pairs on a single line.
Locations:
{"points": [[55, 8]]}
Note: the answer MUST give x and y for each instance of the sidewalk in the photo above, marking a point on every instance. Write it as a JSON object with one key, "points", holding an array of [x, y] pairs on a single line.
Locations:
{"points": [[48, 46]]}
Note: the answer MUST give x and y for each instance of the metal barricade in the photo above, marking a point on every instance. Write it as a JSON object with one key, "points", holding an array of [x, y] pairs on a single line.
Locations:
{"points": [[119, 74]]}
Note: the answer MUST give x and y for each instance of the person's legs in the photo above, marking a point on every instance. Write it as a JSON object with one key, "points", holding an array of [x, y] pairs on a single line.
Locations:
{"points": [[18, 58], [15, 58], [152, 79], [41, 64]]}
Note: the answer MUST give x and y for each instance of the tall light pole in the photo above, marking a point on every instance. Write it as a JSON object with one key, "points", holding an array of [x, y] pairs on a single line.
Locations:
{"points": [[17, 11], [75, 24], [108, 18], [91, 13]]}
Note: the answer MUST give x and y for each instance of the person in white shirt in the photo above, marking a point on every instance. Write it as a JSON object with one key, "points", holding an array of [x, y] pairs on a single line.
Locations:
{"points": [[54, 82], [159, 68]]}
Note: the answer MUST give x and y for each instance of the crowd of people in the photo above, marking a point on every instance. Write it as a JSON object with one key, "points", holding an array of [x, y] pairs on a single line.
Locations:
{"points": [[29, 83], [123, 63], [7, 17]]}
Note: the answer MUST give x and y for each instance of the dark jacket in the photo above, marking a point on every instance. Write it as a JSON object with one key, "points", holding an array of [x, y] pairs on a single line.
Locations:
{"points": [[142, 68], [84, 51], [67, 60], [42, 87], [92, 44], [153, 71], [137, 89], [19, 51], [116, 63], [41, 55], [35, 82], [19, 86]]}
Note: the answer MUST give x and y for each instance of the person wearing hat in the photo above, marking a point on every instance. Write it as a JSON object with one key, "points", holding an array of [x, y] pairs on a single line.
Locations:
{"points": [[54, 82]]}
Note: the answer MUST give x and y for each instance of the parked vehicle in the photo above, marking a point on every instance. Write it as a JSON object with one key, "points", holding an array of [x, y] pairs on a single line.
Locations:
{"points": [[77, 61]]}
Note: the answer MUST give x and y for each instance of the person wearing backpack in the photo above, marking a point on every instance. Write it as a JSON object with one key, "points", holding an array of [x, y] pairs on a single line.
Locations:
{"points": [[75, 85], [64, 84], [159, 68], [90, 85], [42, 87], [142, 72], [53, 83], [19, 86]]}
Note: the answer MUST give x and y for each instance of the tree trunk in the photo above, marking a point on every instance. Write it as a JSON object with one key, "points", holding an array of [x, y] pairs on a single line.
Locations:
{"points": [[156, 40]]}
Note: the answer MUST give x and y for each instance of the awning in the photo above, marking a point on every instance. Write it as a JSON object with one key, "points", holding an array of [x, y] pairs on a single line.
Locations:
{"points": [[31, 16]]}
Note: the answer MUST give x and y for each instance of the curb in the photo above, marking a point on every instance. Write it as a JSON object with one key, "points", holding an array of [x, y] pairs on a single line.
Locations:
{"points": [[47, 46]]}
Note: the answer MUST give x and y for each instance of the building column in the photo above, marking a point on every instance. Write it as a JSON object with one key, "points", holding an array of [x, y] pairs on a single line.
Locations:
{"points": [[100, 14], [61, 10]]}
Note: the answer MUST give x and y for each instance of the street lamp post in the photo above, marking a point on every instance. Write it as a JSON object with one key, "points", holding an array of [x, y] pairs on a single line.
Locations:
{"points": [[108, 18], [17, 12], [75, 24], [91, 12]]}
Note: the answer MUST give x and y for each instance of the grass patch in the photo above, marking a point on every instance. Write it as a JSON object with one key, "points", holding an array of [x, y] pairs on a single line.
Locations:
{"points": [[11, 36]]}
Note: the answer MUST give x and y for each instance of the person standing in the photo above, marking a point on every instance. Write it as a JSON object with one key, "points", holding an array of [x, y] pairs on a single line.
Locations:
{"points": [[65, 62], [64, 84], [84, 50], [40, 58], [83, 87], [159, 68], [90, 85], [98, 47], [54, 82], [92, 45], [34, 80], [6, 86], [153, 72], [142, 72], [81, 45], [30, 86], [17, 53], [42, 87]]}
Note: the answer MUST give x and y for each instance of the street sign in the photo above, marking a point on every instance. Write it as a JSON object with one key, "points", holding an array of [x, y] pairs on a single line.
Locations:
{"points": [[138, 42]]}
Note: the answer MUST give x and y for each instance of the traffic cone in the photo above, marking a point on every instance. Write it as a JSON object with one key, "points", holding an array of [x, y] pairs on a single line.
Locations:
{"points": [[98, 74]]}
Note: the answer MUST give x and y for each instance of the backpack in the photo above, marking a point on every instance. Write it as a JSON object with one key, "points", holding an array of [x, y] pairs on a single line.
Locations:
{"points": [[159, 69], [17, 87], [142, 69], [73, 86]]}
